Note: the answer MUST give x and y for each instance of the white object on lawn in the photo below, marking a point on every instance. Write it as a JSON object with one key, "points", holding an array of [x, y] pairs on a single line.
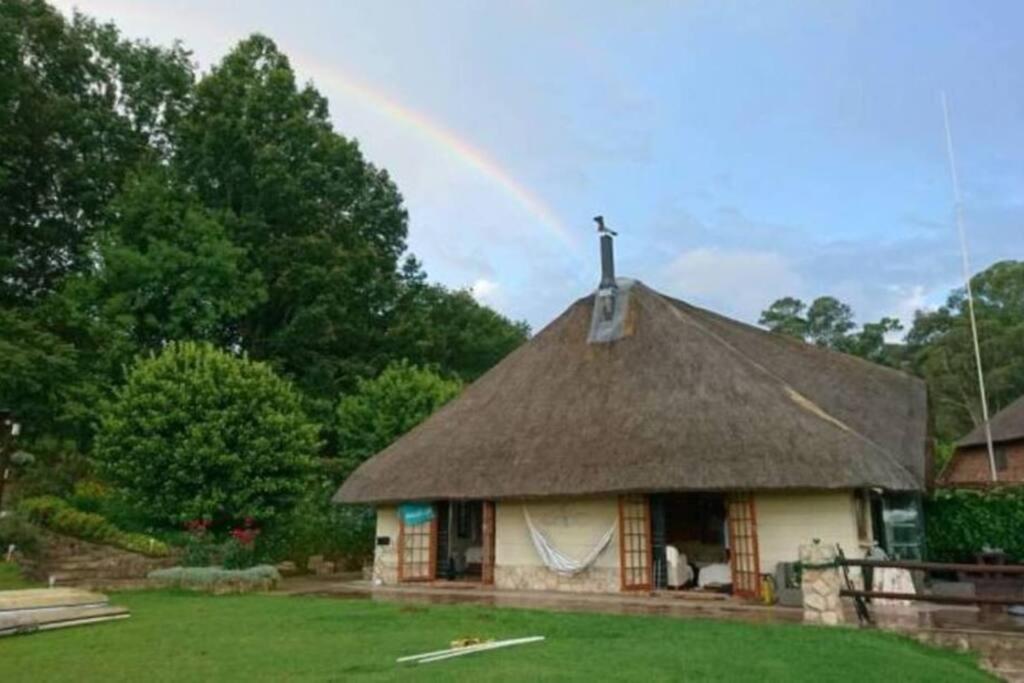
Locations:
{"points": [[559, 562], [439, 655]]}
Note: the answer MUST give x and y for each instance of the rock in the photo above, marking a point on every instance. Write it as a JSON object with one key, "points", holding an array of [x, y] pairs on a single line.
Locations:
{"points": [[287, 568]]}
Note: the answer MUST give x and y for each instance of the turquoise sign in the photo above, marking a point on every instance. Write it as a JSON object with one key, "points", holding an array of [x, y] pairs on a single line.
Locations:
{"points": [[416, 513]]}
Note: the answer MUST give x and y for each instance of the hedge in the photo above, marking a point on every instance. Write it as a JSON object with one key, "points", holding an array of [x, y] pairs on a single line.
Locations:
{"points": [[961, 523], [59, 516], [218, 580]]}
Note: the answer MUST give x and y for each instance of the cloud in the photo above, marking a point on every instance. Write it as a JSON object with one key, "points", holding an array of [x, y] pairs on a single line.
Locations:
{"points": [[483, 290], [737, 282]]}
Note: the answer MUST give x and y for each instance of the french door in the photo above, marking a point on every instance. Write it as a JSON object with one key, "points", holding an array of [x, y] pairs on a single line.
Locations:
{"points": [[744, 558], [635, 552], [417, 550]]}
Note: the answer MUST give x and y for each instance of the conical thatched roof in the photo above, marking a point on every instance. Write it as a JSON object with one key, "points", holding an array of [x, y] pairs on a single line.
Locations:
{"points": [[1007, 425], [689, 400]]}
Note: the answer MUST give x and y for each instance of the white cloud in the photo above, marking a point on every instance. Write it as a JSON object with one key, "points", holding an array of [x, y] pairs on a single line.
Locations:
{"points": [[735, 282], [484, 290]]}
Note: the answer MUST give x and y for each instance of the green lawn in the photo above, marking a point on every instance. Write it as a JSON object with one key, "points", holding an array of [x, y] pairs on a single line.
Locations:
{"points": [[190, 637], [10, 579]]}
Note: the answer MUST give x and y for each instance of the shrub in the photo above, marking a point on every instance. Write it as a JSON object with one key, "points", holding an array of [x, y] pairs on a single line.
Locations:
{"points": [[217, 580], [90, 495], [197, 433], [386, 407], [17, 531], [961, 523], [59, 516]]}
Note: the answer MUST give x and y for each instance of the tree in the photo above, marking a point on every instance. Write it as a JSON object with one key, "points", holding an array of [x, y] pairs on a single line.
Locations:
{"points": [[786, 316], [197, 433], [167, 270], [829, 321], [433, 325], [384, 408], [322, 225], [942, 350], [79, 107]]}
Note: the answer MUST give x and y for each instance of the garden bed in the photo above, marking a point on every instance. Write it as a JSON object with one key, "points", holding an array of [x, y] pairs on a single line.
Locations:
{"points": [[217, 580]]}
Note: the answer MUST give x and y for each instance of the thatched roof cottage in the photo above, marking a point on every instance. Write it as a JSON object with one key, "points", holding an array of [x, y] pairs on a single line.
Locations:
{"points": [[638, 441]]}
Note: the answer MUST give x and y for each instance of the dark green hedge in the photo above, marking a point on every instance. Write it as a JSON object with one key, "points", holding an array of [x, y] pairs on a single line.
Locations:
{"points": [[59, 516], [960, 523]]}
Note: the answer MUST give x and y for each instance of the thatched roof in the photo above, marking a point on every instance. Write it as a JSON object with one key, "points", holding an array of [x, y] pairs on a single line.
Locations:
{"points": [[689, 400], [1007, 425]]}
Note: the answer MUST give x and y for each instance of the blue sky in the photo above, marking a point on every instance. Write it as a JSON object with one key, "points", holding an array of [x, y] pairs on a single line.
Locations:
{"points": [[744, 151]]}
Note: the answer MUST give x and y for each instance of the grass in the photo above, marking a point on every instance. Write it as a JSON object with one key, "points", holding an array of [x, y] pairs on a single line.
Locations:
{"points": [[11, 579], [175, 636]]}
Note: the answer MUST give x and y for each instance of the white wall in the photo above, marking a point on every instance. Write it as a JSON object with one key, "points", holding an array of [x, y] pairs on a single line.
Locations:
{"points": [[573, 525], [785, 521]]}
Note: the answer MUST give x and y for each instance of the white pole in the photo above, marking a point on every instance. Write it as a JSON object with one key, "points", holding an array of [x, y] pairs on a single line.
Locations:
{"points": [[483, 648], [958, 209]]}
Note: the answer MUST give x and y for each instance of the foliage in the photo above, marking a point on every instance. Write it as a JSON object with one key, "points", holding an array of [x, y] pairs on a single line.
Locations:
{"points": [[217, 579], [942, 349], [196, 433], [437, 326], [324, 227], [81, 106], [270, 638], [170, 271], [11, 578], [961, 523], [90, 495], [59, 516], [56, 468], [319, 527], [382, 409], [828, 323], [240, 549], [16, 530]]}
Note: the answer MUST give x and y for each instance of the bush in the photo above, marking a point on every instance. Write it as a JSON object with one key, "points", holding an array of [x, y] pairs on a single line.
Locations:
{"points": [[60, 517], [961, 523], [90, 495], [217, 580], [197, 433], [17, 531]]}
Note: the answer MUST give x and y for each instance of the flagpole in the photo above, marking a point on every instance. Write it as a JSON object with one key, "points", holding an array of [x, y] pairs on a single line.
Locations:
{"points": [[958, 210]]}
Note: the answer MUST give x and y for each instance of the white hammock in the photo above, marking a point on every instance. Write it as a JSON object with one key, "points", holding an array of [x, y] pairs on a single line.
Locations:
{"points": [[556, 561]]}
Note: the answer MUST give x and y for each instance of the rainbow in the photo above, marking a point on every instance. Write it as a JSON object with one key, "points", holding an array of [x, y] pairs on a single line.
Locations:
{"points": [[421, 126]]}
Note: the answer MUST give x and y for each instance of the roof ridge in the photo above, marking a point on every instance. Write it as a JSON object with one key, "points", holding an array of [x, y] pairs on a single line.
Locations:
{"points": [[799, 398]]}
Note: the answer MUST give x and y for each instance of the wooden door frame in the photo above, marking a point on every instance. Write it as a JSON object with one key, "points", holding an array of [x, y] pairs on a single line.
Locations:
{"points": [[743, 498], [489, 524], [622, 546], [432, 574]]}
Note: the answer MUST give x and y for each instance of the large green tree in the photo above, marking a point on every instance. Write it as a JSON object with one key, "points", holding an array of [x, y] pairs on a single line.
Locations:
{"points": [[942, 351], [324, 227], [79, 108]]}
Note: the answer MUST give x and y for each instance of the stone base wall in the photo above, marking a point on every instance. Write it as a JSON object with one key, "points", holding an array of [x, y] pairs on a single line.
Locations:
{"points": [[593, 580], [385, 565], [73, 561]]}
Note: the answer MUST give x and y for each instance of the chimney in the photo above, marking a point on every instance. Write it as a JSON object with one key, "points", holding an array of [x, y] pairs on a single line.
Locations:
{"points": [[607, 255]]}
